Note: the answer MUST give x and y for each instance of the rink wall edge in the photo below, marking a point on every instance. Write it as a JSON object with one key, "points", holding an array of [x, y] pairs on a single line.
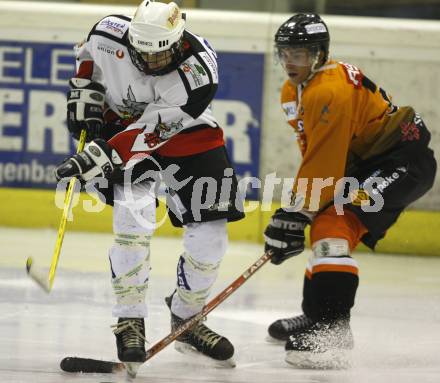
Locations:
{"points": [[414, 232]]}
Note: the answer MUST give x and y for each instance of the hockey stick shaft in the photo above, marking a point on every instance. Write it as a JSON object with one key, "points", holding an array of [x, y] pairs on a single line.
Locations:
{"points": [[211, 305], [66, 210], [38, 274], [73, 364]]}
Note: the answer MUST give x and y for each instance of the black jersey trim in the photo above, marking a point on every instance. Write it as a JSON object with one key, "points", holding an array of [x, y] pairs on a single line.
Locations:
{"points": [[195, 44], [185, 81], [121, 40], [370, 85], [200, 98]]}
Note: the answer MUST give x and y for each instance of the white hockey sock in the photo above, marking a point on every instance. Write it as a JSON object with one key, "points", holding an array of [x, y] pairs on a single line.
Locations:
{"points": [[205, 245], [133, 225]]}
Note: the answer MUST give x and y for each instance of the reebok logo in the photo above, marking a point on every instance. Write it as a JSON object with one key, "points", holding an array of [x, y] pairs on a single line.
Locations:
{"points": [[387, 181]]}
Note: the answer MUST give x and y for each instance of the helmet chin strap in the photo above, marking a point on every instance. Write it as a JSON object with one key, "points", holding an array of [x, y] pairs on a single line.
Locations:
{"points": [[313, 69]]}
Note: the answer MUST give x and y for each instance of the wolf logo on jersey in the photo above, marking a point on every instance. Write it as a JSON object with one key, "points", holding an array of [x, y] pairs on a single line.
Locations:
{"points": [[131, 109]]}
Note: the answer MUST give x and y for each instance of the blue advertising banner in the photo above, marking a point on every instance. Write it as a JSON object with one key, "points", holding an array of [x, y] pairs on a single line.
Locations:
{"points": [[33, 133]]}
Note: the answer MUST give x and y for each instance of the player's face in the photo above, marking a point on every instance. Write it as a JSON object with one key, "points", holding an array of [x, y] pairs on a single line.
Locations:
{"points": [[157, 60], [297, 62]]}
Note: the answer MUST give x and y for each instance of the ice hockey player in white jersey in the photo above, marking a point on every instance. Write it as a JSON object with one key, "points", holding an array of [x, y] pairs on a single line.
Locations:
{"points": [[144, 86]]}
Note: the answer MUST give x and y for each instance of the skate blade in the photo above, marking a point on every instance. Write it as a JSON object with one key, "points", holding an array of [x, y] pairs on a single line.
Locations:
{"points": [[328, 360], [187, 349], [272, 340], [132, 368]]}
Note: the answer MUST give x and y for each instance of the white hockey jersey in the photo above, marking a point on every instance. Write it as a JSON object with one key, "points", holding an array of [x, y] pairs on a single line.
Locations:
{"points": [[169, 114]]}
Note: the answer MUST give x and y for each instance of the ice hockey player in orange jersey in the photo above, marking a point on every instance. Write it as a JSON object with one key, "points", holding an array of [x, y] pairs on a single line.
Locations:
{"points": [[346, 126]]}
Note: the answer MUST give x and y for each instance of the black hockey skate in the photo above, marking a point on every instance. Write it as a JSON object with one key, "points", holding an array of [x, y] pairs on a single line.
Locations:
{"points": [[321, 346], [201, 340], [282, 329], [130, 341]]}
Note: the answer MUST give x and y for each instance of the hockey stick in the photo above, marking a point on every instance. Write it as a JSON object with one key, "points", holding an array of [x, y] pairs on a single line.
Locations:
{"points": [[34, 271], [75, 364]]}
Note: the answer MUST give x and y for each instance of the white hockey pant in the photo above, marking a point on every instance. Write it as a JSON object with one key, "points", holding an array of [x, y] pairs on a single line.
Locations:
{"points": [[134, 215], [204, 247]]}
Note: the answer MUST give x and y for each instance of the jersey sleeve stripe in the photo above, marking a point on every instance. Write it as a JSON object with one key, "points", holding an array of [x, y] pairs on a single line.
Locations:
{"points": [[122, 41], [85, 69], [199, 100], [184, 81]]}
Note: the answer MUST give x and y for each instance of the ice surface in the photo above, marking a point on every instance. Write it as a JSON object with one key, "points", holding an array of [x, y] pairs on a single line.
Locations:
{"points": [[396, 320]]}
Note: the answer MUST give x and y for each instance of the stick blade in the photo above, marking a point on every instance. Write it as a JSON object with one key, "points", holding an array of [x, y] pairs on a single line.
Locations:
{"points": [[74, 364], [38, 274]]}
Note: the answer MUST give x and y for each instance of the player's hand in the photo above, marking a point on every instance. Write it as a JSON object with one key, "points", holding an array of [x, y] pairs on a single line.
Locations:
{"points": [[85, 103], [284, 235], [98, 159]]}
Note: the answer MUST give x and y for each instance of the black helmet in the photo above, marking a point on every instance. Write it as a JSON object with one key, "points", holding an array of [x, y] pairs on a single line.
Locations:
{"points": [[304, 30]]}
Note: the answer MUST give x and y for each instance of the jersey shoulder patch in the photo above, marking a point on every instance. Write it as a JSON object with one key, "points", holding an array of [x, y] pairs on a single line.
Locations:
{"points": [[114, 27], [290, 109], [195, 74], [353, 74], [201, 48]]}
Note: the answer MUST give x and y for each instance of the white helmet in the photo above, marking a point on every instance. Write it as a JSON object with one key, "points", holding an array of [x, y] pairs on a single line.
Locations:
{"points": [[155, 27]]}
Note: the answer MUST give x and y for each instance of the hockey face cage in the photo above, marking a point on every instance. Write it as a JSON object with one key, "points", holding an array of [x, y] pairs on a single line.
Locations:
{"points": [[159, 63]]}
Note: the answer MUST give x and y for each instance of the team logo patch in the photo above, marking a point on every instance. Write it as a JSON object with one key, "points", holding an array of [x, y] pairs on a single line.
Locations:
{"points": [[290, 109], [410, 132], [166, 131], [194, 73], [324, 114], [131, 108], [358, 196]]}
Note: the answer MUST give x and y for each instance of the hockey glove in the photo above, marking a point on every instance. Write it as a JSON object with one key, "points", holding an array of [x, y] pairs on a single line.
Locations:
{"points": [[98, 159], [85, 103], [285, 235]]}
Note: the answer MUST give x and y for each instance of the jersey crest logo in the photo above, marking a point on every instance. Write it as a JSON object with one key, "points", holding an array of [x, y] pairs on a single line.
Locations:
{"points": [[162, 132], [131, 109], [324, 114], [166, 131]]}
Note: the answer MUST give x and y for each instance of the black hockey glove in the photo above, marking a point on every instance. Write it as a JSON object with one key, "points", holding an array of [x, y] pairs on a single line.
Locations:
{"points": [[285, 235], [98, 159], [85, 103]]}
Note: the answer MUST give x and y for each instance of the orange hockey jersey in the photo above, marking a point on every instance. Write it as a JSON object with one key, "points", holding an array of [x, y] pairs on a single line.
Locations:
{"points": [[339, 115]]}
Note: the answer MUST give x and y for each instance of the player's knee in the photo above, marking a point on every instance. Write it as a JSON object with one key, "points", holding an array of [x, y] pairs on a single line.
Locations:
{"points": [[134, 210], [332, 255], [206, 242], [330, 247]]}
